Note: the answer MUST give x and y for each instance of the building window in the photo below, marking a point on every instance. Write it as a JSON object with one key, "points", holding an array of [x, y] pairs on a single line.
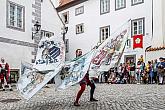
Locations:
{"points": [[66, 45], [119, 4], [135, 2], [104, 6], [128, 43], [65, 17], [137, 26], [104, 33], [79, 28], [14, 75], [79, 10], [46, 34], [15, 16]]}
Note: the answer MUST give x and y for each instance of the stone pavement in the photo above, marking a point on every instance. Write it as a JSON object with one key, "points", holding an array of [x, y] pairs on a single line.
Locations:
{"points": [[111, 97]]}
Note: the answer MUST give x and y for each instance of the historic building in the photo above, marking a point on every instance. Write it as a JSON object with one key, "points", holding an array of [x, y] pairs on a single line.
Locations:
{"points": [[18, 37], [157, 47], [92, 21]]}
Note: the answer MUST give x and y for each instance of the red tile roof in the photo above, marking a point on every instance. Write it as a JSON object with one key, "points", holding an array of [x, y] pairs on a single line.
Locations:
{"points": [[64, 2], [155, 48]]}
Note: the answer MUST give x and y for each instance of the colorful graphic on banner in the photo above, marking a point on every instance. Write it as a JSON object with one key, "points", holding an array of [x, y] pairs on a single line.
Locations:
{"points": [[74, 71], [50, 53], [110, 51], [33, 78], [137, 41]]}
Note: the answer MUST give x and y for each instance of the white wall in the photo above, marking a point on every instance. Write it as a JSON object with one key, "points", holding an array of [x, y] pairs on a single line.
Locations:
{"points": [[49, 19], [152, 55], [15, 34], [163, 22], [56, 3], [13, 53], [93, 21], [158, 24]]}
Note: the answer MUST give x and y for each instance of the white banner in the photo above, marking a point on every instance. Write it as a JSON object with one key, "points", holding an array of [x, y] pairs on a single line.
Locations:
{"points": [[108, 54], [74, 71], [49, 61]]}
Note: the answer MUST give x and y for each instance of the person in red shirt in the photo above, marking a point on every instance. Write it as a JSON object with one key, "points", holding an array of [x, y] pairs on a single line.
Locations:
{"points": [[5, 74], [85, 81]]}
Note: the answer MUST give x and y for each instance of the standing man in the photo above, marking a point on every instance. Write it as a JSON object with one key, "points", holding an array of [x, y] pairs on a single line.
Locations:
{"points": [[155, 71], [161, 70], [85, 81], [5, 74], [132, 72]]}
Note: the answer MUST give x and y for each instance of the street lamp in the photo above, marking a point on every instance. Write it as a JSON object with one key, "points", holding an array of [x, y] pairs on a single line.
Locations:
{"points": [[65, 30], [37, 28]]}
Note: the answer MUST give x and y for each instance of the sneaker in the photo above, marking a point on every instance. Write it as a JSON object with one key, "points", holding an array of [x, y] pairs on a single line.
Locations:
{"points": [[92, 99], [76, 104], [11, 89]]}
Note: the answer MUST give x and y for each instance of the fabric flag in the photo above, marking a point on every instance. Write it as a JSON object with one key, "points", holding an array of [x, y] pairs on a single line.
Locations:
{"points": [[137, 41], [74, 71], [49, 61], [109, 53]]}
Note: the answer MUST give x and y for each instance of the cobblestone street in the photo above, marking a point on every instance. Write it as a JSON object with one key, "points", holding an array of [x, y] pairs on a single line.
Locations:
{"points": [[111, 97]]}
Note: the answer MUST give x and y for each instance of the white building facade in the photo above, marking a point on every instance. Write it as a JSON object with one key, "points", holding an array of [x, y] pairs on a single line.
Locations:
{"points": [[92, 21], [17, 24]]}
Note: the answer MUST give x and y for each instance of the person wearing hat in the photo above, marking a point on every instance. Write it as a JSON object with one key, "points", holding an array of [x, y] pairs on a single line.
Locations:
{"points": [[161, 69], [5, 74]]}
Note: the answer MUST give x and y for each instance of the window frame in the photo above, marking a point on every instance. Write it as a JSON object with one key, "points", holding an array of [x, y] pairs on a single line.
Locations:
{"points": [[120, 7], [143, 26], [82, 24], [101, 13], [8, 4], [63, 14], [47, 34], [132, 2], [104, 27], [81, 7]]}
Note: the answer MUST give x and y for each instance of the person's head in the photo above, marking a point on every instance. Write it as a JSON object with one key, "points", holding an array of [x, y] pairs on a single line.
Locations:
{"points": [[149, 62], [138, 63], [132, 61], [2, 60], [155, 60], [161, 59], [78, 52]]}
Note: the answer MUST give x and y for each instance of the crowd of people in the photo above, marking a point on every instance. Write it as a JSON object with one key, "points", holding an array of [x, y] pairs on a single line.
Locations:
{"points": [[153, 72]]}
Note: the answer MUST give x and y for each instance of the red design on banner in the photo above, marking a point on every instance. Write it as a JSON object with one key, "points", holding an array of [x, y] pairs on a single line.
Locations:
{"points": [[97, 60], [137, 41]]}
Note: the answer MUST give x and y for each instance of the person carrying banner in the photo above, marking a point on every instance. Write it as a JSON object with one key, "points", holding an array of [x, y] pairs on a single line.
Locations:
{"points": [[5, 74], [85, 81]]}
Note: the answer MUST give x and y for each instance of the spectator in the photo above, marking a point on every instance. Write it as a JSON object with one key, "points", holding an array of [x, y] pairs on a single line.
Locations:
{"points": [[155, 78], [5, 74], [132, 72], [161, 66], [120, 71], [138, 72], [149, 72]]}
